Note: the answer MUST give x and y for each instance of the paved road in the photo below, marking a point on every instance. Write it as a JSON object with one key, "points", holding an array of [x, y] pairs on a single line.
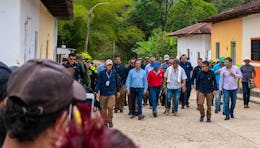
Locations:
{"points": [[185, 131]]}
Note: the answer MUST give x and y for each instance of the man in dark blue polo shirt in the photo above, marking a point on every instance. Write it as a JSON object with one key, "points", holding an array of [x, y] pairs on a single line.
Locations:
{"points": [[206, 87], [107, 85], [188, 70]]}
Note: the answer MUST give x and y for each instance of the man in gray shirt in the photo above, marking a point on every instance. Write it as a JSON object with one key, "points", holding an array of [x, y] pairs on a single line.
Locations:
{"points": [[248, 72]]}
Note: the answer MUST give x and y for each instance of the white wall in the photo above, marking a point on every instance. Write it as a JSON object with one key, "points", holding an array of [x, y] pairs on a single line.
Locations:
{"points": [[196, 43], [9, 31], [29, 20], [251, 29], [16, 16]]}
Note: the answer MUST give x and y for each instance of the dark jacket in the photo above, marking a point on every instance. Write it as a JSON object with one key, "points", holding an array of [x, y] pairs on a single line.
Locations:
{"points": [[195, 73], [103, 78], [79, 73], [206, 82], [128, 69], [120, 73], [187, 68]]}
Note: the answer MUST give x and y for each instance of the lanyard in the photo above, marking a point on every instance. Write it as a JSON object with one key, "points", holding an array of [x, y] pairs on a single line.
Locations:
{"points": [[109, 76]]}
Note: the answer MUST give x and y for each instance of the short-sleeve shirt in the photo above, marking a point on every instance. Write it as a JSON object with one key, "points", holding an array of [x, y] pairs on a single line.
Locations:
{"points": [[174, 84], [247, 72]]}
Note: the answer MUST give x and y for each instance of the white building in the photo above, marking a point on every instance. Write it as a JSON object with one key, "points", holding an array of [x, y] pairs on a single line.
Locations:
{"points": [[194, 41], [28, 28]]}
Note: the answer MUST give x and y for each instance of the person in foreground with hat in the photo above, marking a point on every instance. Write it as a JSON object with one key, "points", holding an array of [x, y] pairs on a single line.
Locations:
{"points": [[217, 69], [155, 81], [39, 94], [249, 73], [107, 85], [175, 82]]}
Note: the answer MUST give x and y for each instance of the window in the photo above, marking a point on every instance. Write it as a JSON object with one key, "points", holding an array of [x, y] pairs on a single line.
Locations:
{"points": [[255, 50], [198, 54], [233, 52], [188, 53], [217, 50]]}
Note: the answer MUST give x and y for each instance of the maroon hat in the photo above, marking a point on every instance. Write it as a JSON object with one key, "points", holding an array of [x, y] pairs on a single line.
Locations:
{"points": [[45, 85]]}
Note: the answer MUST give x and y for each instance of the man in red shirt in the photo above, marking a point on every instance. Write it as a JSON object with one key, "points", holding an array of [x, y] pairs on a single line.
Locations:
{"points": [[155, 81]]}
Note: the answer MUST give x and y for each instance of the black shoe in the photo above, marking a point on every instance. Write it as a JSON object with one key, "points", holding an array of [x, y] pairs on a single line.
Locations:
{"points": [[155, 114], [115, 111], [223, 113], [110, 124], [140, 117], [182, 107], [209, 120], [227, 118], [216, 111], [121, 110], [172, 111], [246, 106], [201, 118], [188, 106], [232, 116], [129, 113]]}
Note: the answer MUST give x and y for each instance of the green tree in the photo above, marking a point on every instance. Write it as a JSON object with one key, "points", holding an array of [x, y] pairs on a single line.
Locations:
{"points": [[223, 5], [157, 45], [109, 29], [187, 12]]}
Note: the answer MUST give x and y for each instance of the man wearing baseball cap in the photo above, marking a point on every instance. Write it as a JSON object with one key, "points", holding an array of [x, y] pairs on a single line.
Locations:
{"points": [[248, 74], [155, 81], [107, 85], [39, 94]]}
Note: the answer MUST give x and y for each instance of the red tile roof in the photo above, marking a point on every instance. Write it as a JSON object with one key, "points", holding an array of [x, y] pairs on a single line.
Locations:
{"points": [[243, 10], [199, 28]]}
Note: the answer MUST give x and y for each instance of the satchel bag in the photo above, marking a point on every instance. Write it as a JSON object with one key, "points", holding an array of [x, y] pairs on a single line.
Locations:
{"points": [[251, 83]]}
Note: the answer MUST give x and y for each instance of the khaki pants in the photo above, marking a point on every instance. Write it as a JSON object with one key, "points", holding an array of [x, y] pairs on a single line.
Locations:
{"points": [[120, 101], [201, 98], [107, 103]]}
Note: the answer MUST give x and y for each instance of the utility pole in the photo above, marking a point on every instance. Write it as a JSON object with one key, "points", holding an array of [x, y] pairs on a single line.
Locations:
{"points": [[88, 24]]}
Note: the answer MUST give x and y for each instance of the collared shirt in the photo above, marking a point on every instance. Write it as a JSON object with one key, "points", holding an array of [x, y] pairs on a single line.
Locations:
{"points": [[107, 83], [174, 84], [155, 79], [120, 72], [227, 81], [216, 68], [206, 82], [101, 68], [187, 68], [148, 68], [247, 72], [164, 66], [195, 73], [136, 79]]}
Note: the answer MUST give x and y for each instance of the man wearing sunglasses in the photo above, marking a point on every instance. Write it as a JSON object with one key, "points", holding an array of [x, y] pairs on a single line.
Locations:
{"points": [[79, 74]]}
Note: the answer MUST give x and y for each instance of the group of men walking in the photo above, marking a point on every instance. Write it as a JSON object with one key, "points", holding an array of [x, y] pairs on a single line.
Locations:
{"points": [[172, 81]]}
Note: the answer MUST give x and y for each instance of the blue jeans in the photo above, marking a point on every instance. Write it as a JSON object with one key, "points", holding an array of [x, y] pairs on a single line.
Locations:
{"points": [[218, 97], [176, 96], [136, 93], [154, 93], [232, 94], [246, 93]]}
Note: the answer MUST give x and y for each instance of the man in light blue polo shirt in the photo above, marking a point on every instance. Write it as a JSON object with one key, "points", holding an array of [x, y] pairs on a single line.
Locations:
{"points": [[136, 86]]}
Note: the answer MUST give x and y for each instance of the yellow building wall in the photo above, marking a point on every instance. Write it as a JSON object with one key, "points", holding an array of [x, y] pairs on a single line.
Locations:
{"points": [[46, 33], [226, 32]]}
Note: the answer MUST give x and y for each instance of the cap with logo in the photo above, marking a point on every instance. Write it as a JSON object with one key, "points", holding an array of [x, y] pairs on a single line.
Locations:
{"points": [[109, 62], [156, 64], [222, 59], [45, 85], [166, 57]]}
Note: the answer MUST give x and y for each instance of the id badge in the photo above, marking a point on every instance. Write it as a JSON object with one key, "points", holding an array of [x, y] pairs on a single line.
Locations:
{"points": [[107, 83]]}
